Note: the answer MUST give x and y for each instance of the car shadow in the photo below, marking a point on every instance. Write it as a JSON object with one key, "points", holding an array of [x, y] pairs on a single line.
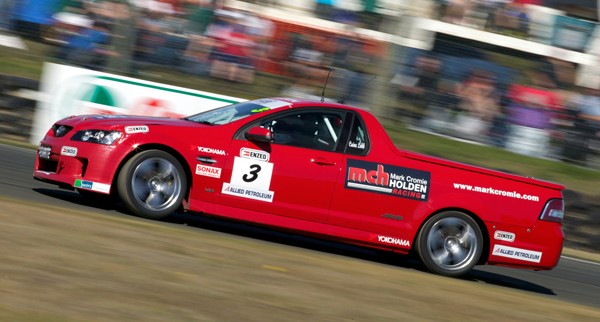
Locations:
{"points": [[293, 239]]}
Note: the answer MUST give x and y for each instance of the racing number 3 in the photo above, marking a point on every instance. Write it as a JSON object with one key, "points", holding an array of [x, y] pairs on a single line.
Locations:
{"points": [[253, 174]]}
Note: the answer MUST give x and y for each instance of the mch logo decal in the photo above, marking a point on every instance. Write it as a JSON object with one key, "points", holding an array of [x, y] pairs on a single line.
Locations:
{"points": [[68, 151], [388, 179], [254, 154], [504, 235], [207, 171], [137, 129]]}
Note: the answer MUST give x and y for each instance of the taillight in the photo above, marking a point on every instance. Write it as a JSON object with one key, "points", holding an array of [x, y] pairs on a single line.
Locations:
{"points": [[554, 211]]}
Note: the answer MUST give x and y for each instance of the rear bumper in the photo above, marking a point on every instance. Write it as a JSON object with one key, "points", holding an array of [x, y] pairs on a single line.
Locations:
{"points": [[538, 247]]}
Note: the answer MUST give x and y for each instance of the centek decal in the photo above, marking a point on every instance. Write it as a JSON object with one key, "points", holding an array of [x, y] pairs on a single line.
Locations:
{"points": [[137, 129], [254, 154], [517, 253], [388, 179], [211, 150], [68, 151], [207, 171]]}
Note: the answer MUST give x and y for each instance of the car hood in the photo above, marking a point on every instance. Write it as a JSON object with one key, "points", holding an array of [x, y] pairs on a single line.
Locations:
{"points": [[119, 121]]}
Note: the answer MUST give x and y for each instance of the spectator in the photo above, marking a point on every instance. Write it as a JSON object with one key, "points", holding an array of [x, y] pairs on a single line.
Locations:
{"points": [[83, 41], [201, 14], [478, 106], [356, 64], [586, 126], [231, 55], [420, 88], [324, 9], [530, 114], [306, 66]]}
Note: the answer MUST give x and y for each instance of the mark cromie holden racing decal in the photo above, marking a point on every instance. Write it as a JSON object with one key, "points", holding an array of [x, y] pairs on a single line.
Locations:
{"points": [[388, 179]]}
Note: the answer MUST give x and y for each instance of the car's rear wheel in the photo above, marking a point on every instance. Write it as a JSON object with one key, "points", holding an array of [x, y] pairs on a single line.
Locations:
{"points": [[450, 243], [152, 184]]}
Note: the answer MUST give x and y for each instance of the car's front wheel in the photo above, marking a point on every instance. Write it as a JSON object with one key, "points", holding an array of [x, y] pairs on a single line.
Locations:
{"points": [[152, 184], [450, 243]]}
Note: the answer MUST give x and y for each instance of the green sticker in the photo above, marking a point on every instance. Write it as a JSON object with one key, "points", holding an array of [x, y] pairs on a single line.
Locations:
{"points": [[258, 110]]}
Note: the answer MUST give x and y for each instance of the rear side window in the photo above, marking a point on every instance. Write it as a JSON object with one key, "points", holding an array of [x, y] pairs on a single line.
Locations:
{"points": [[358, 141]]}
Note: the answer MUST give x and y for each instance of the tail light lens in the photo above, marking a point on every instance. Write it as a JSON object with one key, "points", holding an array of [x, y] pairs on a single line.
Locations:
{"points": [[554, 211]]}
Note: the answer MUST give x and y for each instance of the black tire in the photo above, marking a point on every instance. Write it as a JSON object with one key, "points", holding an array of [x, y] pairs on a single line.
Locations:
{"points": [[450, 243], [152, 184]]}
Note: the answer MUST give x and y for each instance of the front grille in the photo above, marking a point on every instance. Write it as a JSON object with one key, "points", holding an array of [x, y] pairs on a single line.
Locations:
{"points": [[60, 130]]}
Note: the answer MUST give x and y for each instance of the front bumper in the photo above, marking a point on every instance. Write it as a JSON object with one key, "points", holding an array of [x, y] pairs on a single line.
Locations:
{"points": [[73, 164]]}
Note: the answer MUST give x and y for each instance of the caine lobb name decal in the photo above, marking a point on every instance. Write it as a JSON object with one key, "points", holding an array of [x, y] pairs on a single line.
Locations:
{"points": [[517, 253], [392, 240], [388, 179], [211, 150]]}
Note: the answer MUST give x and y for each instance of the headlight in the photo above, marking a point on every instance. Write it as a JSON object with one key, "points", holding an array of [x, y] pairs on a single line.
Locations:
{"points": [[97, 136]]}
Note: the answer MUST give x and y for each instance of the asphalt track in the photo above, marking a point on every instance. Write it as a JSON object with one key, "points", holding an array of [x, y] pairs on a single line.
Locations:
{"points": [[573, 280]]}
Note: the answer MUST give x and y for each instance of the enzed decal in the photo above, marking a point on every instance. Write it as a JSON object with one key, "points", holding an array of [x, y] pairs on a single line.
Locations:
{"points": [[207, 171], [254, 154], [388, 179], [68, 151], [392, 240], [137, 129], [517, 253], [90, 185], [211, 150], [504, 235]]}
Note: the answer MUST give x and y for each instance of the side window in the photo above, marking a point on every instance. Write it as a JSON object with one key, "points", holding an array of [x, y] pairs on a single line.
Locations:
{"points": [[314, 130], [358, 142]]}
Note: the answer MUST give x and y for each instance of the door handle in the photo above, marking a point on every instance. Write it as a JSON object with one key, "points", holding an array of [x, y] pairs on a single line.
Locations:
{"points": [[322, 161], [206, 160]]}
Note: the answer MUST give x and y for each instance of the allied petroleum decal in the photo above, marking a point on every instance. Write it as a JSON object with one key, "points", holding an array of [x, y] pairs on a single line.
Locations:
{"points": [[392, 240], [517, 253], [137, 129], [207, 171], [388, 179], [211, 150], [254, 154], [68, 151], [504, 235], [90, 185]]}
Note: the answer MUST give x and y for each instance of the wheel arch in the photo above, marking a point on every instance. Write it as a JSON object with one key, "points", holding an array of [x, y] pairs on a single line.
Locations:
{"points": [[155, 146], [482, 227]]}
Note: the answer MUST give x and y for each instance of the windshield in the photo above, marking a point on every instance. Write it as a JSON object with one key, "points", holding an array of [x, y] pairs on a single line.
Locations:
{"points": [[230, 113]]}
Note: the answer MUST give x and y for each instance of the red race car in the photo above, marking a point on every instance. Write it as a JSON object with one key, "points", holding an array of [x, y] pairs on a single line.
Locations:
{"points": [[324, 169]]}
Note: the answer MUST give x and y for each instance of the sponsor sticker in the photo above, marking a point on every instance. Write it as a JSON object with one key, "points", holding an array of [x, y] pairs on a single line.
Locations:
{"points": [[137, 129], [247, 192], [207, 171], [517, 253], [211, 150], [504, 235], [90, 185], [254, 154], [388, 179], [68, 151], [392, 240]]}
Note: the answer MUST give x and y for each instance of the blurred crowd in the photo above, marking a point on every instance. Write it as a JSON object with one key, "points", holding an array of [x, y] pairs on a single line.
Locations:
{"points": [[536, 111]]}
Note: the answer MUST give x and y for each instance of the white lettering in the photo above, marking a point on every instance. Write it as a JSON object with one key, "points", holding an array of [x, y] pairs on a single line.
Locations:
{"points": [[211, 150], [392, 240], [517, 253]]}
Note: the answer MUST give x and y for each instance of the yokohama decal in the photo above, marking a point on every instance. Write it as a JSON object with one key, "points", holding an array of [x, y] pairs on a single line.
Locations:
{"points": [[388, 179]]}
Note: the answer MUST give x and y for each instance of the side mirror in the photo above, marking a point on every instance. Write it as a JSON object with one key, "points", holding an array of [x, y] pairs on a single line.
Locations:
{"points": [[259, 134]]}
